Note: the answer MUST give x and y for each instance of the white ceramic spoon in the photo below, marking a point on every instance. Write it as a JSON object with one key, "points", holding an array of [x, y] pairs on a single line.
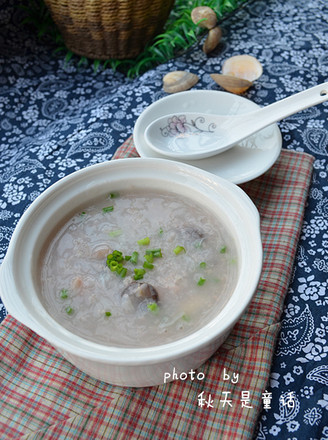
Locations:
{"points": [[199, 135]]}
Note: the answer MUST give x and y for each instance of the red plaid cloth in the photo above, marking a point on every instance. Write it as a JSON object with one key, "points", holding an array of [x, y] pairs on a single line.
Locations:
{"points": [[44, 396]]}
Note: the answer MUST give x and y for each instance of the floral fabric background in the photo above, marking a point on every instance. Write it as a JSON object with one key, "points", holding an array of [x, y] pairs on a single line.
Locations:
{"points": [[56, 118]]}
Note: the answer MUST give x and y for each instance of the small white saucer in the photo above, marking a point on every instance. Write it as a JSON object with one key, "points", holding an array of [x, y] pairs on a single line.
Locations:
{"points": [[244, 162]]}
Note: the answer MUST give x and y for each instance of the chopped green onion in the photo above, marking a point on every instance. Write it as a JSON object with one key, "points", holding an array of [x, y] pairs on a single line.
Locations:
{"points": [[115, 233], [153, 307], [64, 293], [118, 256], [202, 264], [127, 257], [134, 257], [139, 273], [119, 268], [107, 313], [160, 231], [201, 281], [144, 241], [108, 209], [122, 272], [113, 265], [114, 260], [198, 244], [147, 265], [185, 318], [82, 213], [156, 253], [177, 250], [113, 195], [223, 250], [149, 258], [69, 310]]}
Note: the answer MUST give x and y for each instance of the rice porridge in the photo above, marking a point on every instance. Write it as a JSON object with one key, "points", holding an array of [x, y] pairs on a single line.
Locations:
{"points": [[136, 270]]}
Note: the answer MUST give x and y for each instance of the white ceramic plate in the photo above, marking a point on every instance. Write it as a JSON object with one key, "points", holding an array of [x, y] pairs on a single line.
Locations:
{"points": [[244, 162]]}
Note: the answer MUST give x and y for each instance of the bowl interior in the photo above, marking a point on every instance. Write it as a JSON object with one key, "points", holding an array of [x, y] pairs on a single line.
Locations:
{"points": [[225, 200]]}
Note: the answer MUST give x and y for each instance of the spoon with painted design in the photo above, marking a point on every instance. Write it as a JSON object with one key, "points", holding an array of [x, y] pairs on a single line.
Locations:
{"points": [[193, 135]]}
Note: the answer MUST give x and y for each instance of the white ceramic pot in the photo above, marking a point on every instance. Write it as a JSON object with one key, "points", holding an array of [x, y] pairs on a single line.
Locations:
{"points": [[136, 367]]}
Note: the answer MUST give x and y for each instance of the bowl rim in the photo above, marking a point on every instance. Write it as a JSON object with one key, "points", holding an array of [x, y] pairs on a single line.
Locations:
{"points": [[124, 355]]}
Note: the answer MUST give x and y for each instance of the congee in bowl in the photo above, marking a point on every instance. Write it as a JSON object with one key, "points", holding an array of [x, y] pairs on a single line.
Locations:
{"points": [[134, 267], [138, 268]]}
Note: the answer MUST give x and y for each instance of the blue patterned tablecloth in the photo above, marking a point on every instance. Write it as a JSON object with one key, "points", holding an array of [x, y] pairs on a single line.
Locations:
{"points": [[56, 118]]}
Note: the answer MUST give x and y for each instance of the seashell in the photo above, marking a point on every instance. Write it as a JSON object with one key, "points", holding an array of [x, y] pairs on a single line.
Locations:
{"points": [[238, 73], [232, 83], [179, 81], [204, 12], [243, 66], [212, 40]]}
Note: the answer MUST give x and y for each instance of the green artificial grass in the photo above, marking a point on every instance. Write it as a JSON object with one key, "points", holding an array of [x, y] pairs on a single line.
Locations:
{"points": [[179, 34]]}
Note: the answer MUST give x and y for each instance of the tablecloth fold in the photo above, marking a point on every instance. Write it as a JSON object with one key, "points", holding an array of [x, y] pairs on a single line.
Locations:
{"points": [[44, 396]]}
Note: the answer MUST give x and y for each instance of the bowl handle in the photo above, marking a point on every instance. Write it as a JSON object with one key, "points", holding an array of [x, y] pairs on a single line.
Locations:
{"points": [[10, 299]]}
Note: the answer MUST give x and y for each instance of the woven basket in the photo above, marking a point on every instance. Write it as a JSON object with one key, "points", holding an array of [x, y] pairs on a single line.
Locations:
{"points": [[104, 29]]}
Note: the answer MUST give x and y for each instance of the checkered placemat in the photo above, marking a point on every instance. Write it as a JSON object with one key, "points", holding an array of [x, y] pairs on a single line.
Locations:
{"points": [[44, 396]]}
